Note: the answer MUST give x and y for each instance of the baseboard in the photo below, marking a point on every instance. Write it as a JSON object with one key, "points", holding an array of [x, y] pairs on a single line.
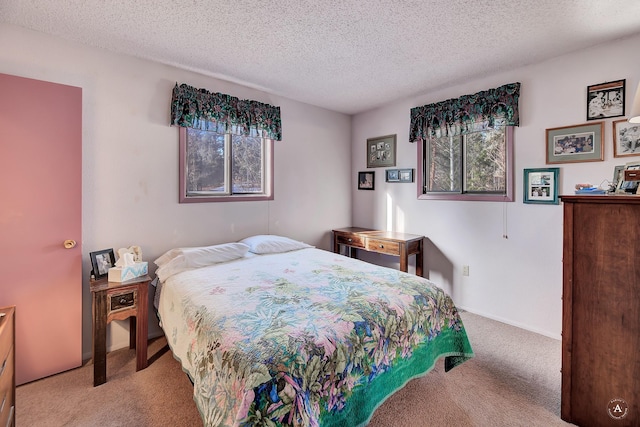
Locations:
{"points": [[512, 323]]}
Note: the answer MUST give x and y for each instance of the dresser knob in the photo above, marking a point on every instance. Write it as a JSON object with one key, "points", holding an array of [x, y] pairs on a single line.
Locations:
{"points": [[382, 246], [350, 240]]}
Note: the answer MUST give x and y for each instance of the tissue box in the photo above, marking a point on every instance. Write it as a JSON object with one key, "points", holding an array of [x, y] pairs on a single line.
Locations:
{"points": [[128, 272]]}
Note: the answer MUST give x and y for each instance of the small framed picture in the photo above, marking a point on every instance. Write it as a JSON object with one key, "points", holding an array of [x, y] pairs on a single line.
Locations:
{"points": [[381, 151], [605, 100], [405, 175], [618, 177], [392, 175], [626, 138], [577, 143], [626, 184], [541, 186], [101, 262], [366, 180]]}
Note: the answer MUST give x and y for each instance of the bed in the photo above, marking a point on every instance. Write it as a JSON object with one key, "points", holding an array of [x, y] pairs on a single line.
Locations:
{"points": [[272, 331]]}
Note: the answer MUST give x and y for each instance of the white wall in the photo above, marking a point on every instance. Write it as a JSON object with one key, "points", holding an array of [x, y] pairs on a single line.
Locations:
{"points": [[130, 159], [516, 280]]}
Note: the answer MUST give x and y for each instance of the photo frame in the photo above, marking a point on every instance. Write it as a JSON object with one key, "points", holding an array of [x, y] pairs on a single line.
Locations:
{"points": [[366, 180], [399, 175], [381, 151], [618, 177], [628, 187], [541, 186], [576, 143], [606, 100], [101, 262], [405, 175], [626, 138]]}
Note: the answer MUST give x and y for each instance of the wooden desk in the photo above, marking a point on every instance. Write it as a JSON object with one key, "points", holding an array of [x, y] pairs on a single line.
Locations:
{"points": [[118, 301], [384, 242]]}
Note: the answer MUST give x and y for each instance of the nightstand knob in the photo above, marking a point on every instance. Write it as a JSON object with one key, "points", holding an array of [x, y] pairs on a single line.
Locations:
{"points": [[123, 300]]}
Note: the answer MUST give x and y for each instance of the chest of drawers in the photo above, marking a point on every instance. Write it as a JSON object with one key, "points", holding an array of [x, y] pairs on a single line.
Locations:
{"points": [[7, 367]]}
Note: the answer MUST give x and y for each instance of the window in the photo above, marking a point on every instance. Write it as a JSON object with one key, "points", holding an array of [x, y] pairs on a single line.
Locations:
{"points": [[473, 166], [218, 166]]}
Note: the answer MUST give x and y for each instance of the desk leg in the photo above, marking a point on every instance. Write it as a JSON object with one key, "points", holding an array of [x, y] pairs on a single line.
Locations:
{"points": [[419, 260], [404, 258], [142, 327], [99, 306]]}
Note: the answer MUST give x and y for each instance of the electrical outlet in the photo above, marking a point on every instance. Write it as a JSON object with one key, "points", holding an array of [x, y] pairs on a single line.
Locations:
{"points": [[465, 270]]}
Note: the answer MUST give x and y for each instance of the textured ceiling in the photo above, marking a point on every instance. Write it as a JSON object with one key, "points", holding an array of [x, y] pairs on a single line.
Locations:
{"points": [[347, 56]]}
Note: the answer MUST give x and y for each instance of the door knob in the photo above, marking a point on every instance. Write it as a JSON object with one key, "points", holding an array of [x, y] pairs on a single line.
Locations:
{"points": [[68, 244]]}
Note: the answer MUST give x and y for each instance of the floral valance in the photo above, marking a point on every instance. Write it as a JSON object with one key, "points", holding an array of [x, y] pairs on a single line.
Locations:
{"points": [[199, 108], [469, 113]]}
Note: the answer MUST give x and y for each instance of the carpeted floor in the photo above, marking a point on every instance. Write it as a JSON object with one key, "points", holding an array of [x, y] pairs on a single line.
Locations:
{"points": [[514, 380]]}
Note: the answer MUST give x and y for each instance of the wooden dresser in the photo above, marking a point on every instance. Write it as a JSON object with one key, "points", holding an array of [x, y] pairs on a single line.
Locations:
{"points": [[7, 367], [601, 311]]}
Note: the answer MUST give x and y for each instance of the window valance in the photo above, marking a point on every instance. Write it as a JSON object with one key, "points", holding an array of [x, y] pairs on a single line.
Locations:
{"points": [[199, 108], [469, 113]]}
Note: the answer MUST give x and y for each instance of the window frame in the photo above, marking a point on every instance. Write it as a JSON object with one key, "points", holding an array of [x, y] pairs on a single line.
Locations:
{"points": [[508, 196], [268, 193]]}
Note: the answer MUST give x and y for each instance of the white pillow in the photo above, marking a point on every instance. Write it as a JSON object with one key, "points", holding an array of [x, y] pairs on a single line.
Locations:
{"points": [[203, 255], [167, 256], [270, 244]]}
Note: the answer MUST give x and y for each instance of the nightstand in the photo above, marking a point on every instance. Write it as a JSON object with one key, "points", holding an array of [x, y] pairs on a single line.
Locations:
{"points": [[119, 301]]}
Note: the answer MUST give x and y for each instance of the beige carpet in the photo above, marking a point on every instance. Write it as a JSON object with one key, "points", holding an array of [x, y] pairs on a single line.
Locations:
{"points": [[514, 380]]}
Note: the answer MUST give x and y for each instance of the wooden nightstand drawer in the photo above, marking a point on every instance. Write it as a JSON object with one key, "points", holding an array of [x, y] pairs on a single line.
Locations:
{"points": [[350, 240], [123, 300], [383, 246]]}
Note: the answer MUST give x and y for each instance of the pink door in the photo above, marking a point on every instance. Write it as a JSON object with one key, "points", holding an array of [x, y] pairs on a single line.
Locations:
{"points": [[40, 209]]}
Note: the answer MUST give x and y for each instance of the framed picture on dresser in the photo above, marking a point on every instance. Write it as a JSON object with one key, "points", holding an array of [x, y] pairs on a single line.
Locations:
{"points": [[101, 262]]}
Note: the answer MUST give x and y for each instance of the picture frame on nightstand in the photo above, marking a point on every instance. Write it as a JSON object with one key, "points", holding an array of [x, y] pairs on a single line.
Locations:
{"points": [[101, 262]]}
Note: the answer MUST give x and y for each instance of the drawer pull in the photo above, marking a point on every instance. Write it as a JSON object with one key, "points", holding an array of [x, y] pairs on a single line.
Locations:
{"points": [[382, 246], [350, 240], [123, 300]]}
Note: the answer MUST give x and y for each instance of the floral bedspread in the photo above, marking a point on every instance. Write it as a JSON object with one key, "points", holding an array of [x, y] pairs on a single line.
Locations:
{"points": [[305, 338]]}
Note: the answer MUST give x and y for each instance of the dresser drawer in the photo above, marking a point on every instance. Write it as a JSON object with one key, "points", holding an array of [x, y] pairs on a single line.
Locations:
{"points": [[6, 334], [350, 240], [122, 300], [6, 390], [383, 246]]}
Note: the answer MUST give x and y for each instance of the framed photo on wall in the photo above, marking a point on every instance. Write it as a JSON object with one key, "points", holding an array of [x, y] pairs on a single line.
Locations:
{"points": [[605, 100], [626, 138], [366, 180], [405, 175], [577, 143], [541, 186], [392, 175], [381, 151], [101, 262]]}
